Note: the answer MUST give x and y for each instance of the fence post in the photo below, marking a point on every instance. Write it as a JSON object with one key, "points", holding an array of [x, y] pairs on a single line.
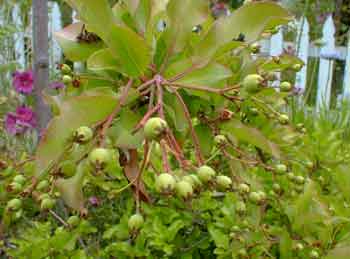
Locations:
{"points": [[19, 36], [276, 49], [54, 25], [302, 52], [325, 74], [346, 85]]}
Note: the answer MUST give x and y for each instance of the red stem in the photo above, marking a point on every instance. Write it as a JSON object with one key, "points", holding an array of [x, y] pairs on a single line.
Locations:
{"points": [[194, 136]]}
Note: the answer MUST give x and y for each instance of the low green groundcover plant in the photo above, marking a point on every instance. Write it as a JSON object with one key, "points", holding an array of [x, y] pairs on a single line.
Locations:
{"points": [[172, 144]]}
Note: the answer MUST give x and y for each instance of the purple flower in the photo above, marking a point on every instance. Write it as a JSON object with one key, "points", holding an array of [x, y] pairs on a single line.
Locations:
{"points": [[23, 82], [94, 201], [19, 122], [57, 85]]}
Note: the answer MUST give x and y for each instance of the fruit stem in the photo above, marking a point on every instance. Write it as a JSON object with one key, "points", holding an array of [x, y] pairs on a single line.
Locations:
{"points": [[194, 136]]}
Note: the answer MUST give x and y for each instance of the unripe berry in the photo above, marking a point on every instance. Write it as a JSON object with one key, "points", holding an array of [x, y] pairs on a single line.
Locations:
{"points": [[241, 208], [255, 48], [14, 204], [65, 69], [165, 183], [281, 168], [47, 204], [262, 195], [155, 128], [254, 111], [42, 185], [193, 180], [252, 83], [300, 126], [83, 135], [243, 188], [100, 158], [235, 229], [73, 221], [299, 179], [299, 188], [19, 179], [276, 187], [223, 181], [314, 254], [206, 173], [67, 80], [255, 197], [135, 222], [283, 119], [184, 189], [44, 196], [15, 187], [242, 252], [297, 67], [290, 176], [286, 86], [299, 247], [220, 140]]}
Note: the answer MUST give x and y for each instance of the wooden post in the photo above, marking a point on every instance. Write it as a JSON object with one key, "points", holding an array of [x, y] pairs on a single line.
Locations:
{"points": [[41, 60]]}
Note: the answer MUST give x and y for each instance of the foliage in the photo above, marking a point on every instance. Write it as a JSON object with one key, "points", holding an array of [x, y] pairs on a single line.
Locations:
{"points": [[185, 95]]}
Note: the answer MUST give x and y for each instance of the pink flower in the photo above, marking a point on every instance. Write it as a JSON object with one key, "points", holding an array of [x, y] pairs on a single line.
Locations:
{"points": [[94, 201], [57, 85], [19, 122], [23, 82]]}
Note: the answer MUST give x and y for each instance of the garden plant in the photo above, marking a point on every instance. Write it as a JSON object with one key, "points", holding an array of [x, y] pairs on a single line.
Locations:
{"points": [[175, 143]]}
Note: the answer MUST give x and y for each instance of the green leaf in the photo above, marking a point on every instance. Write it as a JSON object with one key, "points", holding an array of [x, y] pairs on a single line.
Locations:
{"points": [[266, 15], [103, 60], [73, 50], [252, 136], [221, 240], [75, 112], [205, 137]]}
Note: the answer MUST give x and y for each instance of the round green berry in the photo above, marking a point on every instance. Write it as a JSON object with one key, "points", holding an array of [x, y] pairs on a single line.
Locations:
{"points": [[165, 182], [223, 181], [252, 83], [243, 188], [184, 189], [281, 168], [14, 204], [220, 140], [47, 204], [43, 185], [73, 221], [135, 222], [83, 135], [206, 173], [19, 179], [99, 158], [286, 86], [67, 80], [155, 128]]}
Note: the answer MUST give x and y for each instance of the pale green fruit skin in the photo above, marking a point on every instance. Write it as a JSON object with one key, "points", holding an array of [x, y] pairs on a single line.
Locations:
{"points": [[262, 195], [299, 247], [281, 168], [255, 197], [19, 179], [14, 204], [241, 207], [100, 158], [44, 196], [297, 67], [206, 173], [135, 222], [73, 221], [65, 69], [291, 176], [16, 187], [242, 252], [283, 119], [255, 48], [193, 180], [67, 80], [47, 204], [276, 187], [42, 185], [83, 134], [184, 189], [314, 254], [220, 140], [252, 83], [243, 188], [223, 181], [299, 179], [286, 86], [165, 182], [155, 128]]}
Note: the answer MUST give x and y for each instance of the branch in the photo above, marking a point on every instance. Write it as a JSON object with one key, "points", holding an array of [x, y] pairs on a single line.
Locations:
{"points": [[206, 88]]}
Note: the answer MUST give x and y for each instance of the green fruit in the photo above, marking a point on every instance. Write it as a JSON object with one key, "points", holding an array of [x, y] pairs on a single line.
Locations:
{"points": [[255, 197], [252, 83], [42, 185], [68, 168], [276, 187], [255, 48], [299, 179], [193, 180], [73, 221], [18, 214], [286, 86], [290, 176], [309, 164], [165, 183], [223, 181], [299, 247], [281, 168], [47, 204], [220, 140], [15, 187], [67, 80], [65, 69], [184, 189], [242, 252], [314, 254], [235, 229], [206, 173], [19, 179], [243, 188], [254, 111], [44, 196], [155, 128], [283, 119], [297, 67], [135, 222], [100, 158], [299, 188], [300, 126], [241, 208], [262, 195], [14, 204], [83, 135]]}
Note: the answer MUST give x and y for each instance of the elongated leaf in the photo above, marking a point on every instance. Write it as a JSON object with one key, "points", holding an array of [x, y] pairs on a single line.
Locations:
{"points": [[252, 136], [75, 112], [250, 20], [75, 51], [103, 60]]}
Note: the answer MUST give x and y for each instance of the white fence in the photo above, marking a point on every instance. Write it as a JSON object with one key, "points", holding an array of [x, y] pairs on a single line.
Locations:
{"points": [[325, 51]]}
